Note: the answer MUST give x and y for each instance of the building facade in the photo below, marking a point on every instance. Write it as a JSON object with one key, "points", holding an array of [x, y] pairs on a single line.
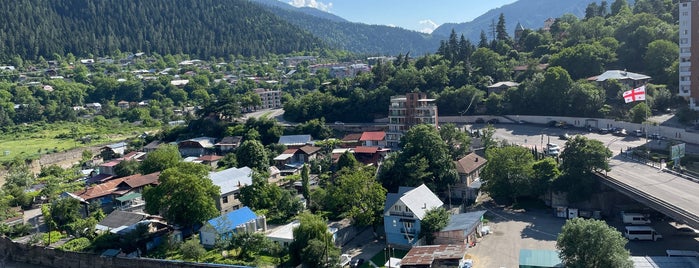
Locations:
{"points": [[271, 99], [407, 111], [689, 66]]}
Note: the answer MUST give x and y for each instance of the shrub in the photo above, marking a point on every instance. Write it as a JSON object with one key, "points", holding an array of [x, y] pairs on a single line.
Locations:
{"points": [[77, 245]]}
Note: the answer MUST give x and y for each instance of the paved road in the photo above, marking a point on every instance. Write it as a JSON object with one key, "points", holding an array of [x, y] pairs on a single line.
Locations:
{"points": [[678, 191]]}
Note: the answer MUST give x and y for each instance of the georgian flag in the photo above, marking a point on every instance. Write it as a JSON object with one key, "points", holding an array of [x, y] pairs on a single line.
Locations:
{"points": [[636, 94]]}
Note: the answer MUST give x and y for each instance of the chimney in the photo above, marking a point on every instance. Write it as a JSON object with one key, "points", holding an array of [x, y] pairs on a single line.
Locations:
{"points": [[476, 159]]}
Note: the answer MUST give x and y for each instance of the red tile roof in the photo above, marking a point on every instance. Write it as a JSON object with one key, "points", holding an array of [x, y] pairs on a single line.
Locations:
{"points": [[469, 163], [366, 149], [373, 136], [99, 190], [110, 163], [139, 180]]}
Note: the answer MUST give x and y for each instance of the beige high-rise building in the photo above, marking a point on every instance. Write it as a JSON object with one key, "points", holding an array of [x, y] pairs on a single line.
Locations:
{"points": [[689, 52], [407, 111]]}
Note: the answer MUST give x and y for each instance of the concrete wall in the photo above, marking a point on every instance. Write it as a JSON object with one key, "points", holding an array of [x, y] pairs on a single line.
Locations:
{"points": [[62, 259]]}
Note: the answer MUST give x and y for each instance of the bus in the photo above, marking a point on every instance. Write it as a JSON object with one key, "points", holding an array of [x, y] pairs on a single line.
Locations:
{"points": [[641, 233]]}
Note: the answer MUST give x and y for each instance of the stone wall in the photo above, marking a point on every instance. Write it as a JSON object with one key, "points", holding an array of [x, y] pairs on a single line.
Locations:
{"points": [[63, 259]]}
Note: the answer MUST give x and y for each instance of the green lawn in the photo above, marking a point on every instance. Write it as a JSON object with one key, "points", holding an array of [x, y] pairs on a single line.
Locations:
{"points": [[31, 141], [380, 258]]}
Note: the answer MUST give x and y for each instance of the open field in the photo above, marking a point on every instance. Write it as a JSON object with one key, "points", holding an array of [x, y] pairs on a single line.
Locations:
{"points": [[31, 141]]}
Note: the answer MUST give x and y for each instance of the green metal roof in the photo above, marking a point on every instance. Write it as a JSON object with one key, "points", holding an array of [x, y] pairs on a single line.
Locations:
{"points": [[128, 197], [539, 258]]}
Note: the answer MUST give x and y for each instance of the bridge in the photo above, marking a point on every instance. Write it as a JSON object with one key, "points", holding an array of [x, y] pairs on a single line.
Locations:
{"points": [[669, 193]]}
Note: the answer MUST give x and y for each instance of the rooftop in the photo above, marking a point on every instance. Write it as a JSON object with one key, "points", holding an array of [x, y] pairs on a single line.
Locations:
{"points": [[373, 136], [464, 221], [425, 255], [295, 139], [418, 199], [469, 163], [618, 75], [231, 179], [229, 221]]}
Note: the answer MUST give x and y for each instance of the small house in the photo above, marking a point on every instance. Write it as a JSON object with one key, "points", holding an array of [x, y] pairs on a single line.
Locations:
{"points": [[230, 181], [196, 146], [462, 228], [373, 138], [123, 104], [435, 256], [404, 211], [469, 169], [628, 79], [228, 144], [500, 87], [228, 224], [112, 151]]}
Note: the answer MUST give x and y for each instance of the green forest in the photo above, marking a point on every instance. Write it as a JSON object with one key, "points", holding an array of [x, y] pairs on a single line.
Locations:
{"points": [[204, 28], [640, 39]]}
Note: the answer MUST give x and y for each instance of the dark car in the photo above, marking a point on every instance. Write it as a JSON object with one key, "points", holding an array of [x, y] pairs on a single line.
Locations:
{"points": [[687, 231], [356, 262], [564, 136], [493, 121], [603, 130]]}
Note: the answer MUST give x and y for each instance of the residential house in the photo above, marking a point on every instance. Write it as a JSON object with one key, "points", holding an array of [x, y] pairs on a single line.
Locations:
{"points": [[119, 220], [123, 104], [370, 155], [230, 181], [352, 140], [469, 169], [130, 189], [520, 69], [107, 168], [628, 79], [500, 87], [108, 191], [435, 256], [403, 212], [95, 106], [295, 141], [284, 234], [152, 146], [373, 138], [103, 193], [228, 224], [179, 82], [209, 160], [406, 111], [228, 143], [462, 228], [112, 151], [196, 146], [291, 160]]}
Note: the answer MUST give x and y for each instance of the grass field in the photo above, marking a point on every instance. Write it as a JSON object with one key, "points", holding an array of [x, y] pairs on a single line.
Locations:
{"points": [[30, 141]]}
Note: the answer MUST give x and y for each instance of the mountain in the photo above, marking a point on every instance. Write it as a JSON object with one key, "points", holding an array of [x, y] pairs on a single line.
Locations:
{"points": [[530, 13], [354, 37], [202, 28], [307, 10]]}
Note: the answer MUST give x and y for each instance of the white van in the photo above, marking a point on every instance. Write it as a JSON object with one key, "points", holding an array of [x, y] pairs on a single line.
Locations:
{"points": [[641, 233], [634, 218]]}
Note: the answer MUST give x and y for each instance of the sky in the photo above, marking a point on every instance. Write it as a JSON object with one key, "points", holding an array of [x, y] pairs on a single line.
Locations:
{"points": [[417, 15]]}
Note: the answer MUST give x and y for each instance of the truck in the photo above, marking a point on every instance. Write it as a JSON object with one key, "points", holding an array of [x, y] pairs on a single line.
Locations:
{"points": [[641, 233], [634, 218]]}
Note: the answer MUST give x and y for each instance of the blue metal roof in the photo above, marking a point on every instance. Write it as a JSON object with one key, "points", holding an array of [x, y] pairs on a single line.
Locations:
{"points": [[464, 221], [227, 222], [295, 139]]}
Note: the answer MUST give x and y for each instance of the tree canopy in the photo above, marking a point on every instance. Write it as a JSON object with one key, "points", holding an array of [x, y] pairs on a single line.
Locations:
{"points": [[185, 195], [312, 243], [164, 157], [592, 243]]}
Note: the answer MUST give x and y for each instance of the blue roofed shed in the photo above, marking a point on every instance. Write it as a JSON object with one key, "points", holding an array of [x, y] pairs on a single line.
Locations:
{"points": [[462, 228], [535, 258], [224, 226]]}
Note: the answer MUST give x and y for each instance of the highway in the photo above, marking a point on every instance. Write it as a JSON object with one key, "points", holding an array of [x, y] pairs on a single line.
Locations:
{"points": [[665, 192]]}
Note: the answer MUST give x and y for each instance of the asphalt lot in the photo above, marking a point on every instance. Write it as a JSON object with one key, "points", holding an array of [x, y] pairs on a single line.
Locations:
{"points": [[512, 231]]}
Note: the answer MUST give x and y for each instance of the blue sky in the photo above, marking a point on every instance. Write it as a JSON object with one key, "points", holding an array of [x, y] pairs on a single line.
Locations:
{"points": [[418, 15]]}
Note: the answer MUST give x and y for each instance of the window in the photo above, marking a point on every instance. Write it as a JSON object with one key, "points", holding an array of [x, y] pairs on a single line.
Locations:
{"points": [[684, 41], [685, 50], [225, 199]]}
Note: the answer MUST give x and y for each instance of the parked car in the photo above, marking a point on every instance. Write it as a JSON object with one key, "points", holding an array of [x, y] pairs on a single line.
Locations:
{"points": [[356, 262], [564, 136], [638, 133], [687, 231], [620, 132], [603, 130]]}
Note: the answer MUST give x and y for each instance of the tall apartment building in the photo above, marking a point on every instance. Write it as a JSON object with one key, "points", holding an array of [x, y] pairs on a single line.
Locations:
{"points": [[271, 99], [407, 111], [689, 44]]}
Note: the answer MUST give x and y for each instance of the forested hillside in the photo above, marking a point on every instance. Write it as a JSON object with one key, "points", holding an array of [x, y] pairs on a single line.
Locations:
{"points": [[357, 37], [204, 28], [552, 68]]}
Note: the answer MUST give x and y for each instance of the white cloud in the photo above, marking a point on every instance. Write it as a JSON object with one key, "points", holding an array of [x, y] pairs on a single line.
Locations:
{"points": [[312, 3], [428, 25]]}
